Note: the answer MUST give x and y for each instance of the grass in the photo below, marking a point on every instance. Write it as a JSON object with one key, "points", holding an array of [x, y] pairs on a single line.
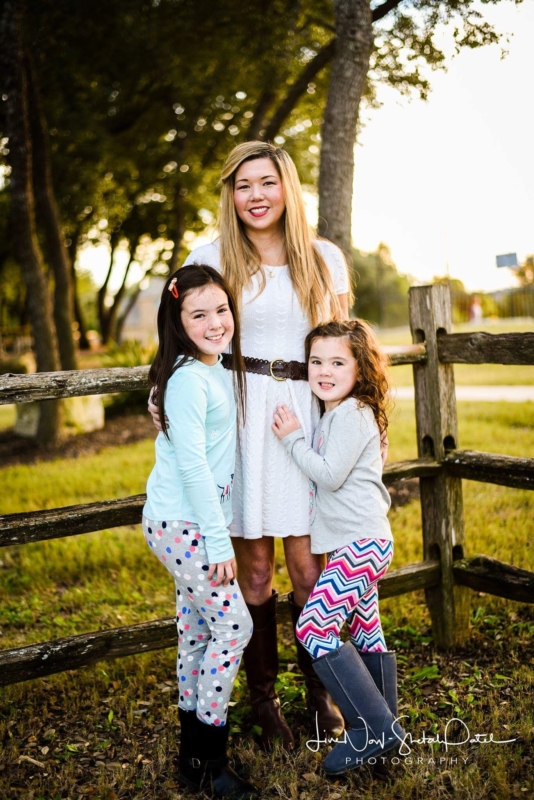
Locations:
{"points": [[107, 578], [114, 724]]}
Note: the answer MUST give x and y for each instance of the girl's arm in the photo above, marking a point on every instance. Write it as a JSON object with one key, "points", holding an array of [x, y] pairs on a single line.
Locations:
{"points": [[347, 438], [186, 404]]}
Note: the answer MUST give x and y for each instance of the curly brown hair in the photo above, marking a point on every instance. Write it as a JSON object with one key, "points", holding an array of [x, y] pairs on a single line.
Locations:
{"points": [[372, 385]]}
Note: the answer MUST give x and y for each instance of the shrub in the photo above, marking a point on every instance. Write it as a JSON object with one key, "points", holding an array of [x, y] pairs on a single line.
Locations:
{"points": [[129, 354]]}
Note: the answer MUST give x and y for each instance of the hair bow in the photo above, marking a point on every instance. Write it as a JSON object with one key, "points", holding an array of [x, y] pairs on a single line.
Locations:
{"points": [[173, 288]]}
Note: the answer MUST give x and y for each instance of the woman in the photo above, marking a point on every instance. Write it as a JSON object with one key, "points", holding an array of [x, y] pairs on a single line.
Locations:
{"points": [[287, 283]]}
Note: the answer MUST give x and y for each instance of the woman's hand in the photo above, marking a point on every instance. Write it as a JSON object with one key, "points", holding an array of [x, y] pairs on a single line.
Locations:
{"points": [[284, 422], [226, 571], [153, 410]]}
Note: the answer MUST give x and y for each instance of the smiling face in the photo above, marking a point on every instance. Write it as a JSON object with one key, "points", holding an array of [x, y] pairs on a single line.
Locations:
{"points": [[259, 195], [332, 370], [208, 321]]}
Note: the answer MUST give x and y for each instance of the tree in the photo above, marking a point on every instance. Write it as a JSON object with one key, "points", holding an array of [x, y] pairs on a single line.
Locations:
{"points": [[525, 273], [138, 132], [48, 217], [347, 79], [382, 292], [22, 210]]}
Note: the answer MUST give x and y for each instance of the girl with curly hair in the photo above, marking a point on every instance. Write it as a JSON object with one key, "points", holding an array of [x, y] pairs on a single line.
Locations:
{"points": [[347, 373]]}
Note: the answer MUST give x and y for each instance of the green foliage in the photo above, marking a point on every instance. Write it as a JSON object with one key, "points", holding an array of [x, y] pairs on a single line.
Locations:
{"points": [[525, 273], [381, 292], [129, 354], [86, 292], [145, 99]]}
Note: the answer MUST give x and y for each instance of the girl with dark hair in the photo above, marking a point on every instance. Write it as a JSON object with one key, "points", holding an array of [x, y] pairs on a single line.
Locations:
{"points": [[286, 281], [189, 508], [347, 373]]}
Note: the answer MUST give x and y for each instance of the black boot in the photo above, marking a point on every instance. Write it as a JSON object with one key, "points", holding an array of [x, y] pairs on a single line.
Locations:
{"points": [[373, 727], [325, 714], [204, 763], [190, 771], [261, 667]]}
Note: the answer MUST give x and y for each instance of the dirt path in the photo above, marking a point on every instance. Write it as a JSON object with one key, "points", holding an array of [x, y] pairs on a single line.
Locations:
{"points": [[483, 394]]}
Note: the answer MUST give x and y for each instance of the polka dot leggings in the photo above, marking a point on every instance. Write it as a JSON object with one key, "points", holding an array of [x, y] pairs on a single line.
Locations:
{"points": [[214, 625]]}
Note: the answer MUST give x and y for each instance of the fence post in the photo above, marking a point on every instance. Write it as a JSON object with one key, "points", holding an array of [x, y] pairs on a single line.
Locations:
{"points": [[437, 433]]}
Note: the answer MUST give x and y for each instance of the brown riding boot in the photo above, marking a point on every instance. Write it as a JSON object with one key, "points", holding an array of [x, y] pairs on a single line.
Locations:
{"points": [[326, 715], [261, 668]]}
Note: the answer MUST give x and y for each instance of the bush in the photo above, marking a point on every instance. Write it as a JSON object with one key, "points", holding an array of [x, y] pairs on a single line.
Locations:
{"points": [[129, 354]]}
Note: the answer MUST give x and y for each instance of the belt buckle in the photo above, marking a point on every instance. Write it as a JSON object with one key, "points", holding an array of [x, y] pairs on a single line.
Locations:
{"points": [[275, 361]]}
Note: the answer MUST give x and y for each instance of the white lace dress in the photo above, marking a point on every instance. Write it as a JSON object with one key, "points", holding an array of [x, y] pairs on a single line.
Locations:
{"points": [[271, 496]]}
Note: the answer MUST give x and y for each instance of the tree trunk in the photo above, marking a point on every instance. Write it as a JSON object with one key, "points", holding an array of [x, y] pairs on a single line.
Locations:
{"points": [[113, 311], [23, 229], [103, 312], [132, 300], [83, 341], [347, 82], [48, 218], [263, 105]]}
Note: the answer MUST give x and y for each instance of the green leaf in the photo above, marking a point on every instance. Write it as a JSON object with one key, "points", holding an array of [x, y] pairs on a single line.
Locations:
{"points": [[426, 673]]}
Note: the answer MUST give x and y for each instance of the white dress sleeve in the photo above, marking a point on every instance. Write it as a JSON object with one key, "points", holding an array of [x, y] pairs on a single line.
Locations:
{"points": [[335, 260], [208, 254]]}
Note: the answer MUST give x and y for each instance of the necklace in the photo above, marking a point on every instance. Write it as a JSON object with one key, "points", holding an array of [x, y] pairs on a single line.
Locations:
{"points": [[271, 273]]}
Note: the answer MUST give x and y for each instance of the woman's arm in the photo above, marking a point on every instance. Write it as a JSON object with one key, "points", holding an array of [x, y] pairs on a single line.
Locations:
{"points": [[344, 304], [153, 410]]}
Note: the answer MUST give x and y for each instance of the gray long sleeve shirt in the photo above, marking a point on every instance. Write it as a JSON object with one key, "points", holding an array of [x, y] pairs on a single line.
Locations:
{"points": [[351, 502]]}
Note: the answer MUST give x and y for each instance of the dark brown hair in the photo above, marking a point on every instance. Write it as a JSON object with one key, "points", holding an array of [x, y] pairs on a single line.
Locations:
{"points": [[175, 347], [372, 383]]}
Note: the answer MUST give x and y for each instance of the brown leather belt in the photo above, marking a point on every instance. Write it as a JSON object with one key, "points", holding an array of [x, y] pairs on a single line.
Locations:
{"points": [[277, 368]]}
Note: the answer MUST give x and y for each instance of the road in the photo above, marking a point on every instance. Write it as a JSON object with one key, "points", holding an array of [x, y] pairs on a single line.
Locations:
{"points": [[489, 394]]}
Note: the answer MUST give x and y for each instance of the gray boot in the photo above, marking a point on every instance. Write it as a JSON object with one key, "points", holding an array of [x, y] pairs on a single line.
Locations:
{"points": [[383, 670], [351, 686]]}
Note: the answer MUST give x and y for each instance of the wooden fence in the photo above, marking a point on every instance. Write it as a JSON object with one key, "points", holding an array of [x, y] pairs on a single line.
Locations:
{"points": [[446, 574]]}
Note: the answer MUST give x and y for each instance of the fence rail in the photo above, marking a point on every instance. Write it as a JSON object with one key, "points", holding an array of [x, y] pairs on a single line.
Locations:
{"points": [[446, 575], [72, 652], [76, 383], [57, 523], [55, 385], [486, 348]]}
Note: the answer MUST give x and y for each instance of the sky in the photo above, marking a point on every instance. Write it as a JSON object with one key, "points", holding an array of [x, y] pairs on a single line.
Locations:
{"points": [[449, 181], [452, 179]]}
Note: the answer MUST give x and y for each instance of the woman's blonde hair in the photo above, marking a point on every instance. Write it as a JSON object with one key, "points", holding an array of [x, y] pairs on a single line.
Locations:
{"points": [[240, 259]]}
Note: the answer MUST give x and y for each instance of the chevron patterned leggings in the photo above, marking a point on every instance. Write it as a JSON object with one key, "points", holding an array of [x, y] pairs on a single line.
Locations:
{"points": [[347, 591]]}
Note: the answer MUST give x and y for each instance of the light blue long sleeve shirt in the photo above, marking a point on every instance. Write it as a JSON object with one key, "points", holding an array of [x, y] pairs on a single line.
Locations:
{"points": [[194, 471]]}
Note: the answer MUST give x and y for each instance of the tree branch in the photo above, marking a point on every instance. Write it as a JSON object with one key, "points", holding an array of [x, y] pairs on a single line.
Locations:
{"points": [[298, 88], [262, 106], [382, 11]]}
